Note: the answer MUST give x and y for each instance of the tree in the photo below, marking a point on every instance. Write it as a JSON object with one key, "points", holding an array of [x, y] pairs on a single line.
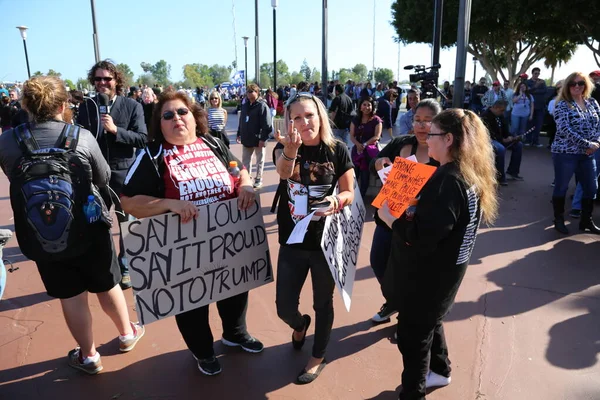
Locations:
{"points": [[219, 73], [146, 79], [160, 71], [52, 72], [361, 72], [555, 59], [127, 74], [585, 27], [69, 83], [315, 76], [305, 71], [384, 75], [37, 73], [199, 74], [83, 83], [297, 77], [506, 36], [283, 73]]}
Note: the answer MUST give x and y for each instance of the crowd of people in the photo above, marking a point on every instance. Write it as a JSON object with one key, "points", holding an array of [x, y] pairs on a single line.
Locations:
{"points": [[133, 146]]}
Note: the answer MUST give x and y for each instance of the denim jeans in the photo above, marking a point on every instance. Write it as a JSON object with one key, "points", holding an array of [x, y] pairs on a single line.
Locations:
{"points": [[537, 122], [293, 265], [576, 205], [343, 135], [518, 124], [584, 168], [514, 166]]}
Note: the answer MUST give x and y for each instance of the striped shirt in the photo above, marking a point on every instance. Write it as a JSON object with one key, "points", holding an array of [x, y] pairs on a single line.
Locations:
{"points": [[216, 118]]}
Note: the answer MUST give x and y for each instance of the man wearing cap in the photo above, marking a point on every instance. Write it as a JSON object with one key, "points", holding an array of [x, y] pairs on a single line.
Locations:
{"points": [[136, 94], [595, 77], [493, 95], [537, 88], [477, 93]]}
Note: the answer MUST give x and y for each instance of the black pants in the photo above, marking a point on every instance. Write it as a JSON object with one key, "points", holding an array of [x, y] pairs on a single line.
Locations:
{"points": [[423, 347], [195, 328], [292, 269], [222, 134]]}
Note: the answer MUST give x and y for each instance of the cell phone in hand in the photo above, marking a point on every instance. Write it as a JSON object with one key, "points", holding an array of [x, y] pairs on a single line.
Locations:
{"points": [[320, 206]]}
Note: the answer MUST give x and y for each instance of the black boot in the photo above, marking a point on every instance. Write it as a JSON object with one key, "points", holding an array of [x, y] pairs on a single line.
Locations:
{"points": [[586, 223], [559, 210]]}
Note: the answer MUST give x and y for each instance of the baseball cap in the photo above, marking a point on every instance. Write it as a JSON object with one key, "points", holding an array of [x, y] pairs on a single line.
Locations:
{"points": [[595, 73], [496, 83], [133, 89]]}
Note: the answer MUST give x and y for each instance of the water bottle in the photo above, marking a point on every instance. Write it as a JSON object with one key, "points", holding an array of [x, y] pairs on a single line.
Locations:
{"points": [[92, 210], [234, 171]]}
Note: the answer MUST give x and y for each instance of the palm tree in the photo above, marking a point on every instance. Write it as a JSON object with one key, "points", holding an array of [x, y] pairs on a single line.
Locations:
{"points": [[559, 55]]}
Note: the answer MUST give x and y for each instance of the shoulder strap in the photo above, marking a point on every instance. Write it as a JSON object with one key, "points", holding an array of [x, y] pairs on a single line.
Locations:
{"points": [[25, 139], [217, 146], [69, 137]]}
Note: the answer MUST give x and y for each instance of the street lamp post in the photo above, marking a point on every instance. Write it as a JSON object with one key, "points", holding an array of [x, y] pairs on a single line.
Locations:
{"points": [[246, 58], [256, 57], [95, 35], [474, 69], [274, 4], [324, 55], [23, 30]]}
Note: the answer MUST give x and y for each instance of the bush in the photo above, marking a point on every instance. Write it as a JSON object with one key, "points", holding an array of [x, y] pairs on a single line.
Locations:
{"points": [[231, 103]]}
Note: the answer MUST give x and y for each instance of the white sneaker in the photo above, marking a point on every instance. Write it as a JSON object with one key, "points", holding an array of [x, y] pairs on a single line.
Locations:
{"points": [[434, 380], [384, 314]]}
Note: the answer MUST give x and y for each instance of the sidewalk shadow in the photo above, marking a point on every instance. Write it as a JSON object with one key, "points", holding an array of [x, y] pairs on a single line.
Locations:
{"points": [[175, 375], [538, 279], [575, 343], [23, 301]]}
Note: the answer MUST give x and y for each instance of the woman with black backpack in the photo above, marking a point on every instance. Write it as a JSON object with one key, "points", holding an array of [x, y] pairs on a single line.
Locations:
{"points": [[70, 273]]}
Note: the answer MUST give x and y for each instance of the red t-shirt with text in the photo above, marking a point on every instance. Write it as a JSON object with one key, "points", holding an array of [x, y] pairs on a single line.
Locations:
{"points": [[195, 174]]}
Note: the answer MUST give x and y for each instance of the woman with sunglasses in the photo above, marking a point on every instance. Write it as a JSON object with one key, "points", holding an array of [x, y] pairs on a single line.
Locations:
{"points": [[432, 244], [404, 146], [365, 132], [153, 186], [311, 162], [217, 117], [577, 117]]}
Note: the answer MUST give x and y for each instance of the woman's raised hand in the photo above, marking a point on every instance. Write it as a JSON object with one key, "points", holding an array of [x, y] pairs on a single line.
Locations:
{"points": [[291, 141]]}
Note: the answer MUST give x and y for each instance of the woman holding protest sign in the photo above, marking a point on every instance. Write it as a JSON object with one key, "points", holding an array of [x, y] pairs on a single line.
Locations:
{"points": [[432, 244], [403, 146], [180, 141], [311, 162]]}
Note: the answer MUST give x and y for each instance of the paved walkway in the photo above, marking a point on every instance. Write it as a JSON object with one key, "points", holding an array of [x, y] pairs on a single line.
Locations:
{"points": [[525, 325]]}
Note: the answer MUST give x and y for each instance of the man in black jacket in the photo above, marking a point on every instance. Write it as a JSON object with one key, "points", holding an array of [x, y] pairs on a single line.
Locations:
{"points": [[340, 113], [119, 134], [502, 141], [595, 77], [254, 128]]}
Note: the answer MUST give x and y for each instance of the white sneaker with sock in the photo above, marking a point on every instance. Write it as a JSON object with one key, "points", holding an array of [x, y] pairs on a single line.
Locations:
{"points": [[435, 380]]}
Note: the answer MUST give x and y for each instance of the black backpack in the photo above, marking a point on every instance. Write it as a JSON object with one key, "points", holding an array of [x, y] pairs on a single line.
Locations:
{"points": [[48, 189]]}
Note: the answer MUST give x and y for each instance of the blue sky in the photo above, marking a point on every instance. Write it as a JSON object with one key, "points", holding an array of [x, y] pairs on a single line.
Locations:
{"points": [[201, 31]]}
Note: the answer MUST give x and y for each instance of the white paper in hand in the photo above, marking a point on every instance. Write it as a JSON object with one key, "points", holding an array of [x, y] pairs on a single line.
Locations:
{"points": [[383, 173], [412, 158], [300, 229]]}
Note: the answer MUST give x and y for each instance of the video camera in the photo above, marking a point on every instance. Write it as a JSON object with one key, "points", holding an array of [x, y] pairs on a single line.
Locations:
{"points": [[428, 77]]}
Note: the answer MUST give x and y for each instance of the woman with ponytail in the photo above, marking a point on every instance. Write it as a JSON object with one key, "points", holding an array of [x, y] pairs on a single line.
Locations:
{"points": [[432, 244]]}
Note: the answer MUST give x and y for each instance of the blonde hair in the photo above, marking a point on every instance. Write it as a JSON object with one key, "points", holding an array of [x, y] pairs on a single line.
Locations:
{"points": [[215, 93], [565, 90], [148, 96], [325, 132], [43, 97], [473, 153]]}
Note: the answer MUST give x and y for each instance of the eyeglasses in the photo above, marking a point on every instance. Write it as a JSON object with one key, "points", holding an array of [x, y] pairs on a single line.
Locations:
{"points": [[169, 115], [102, 78], [422, 124], [300, 95], [250, 91], [430, 135], [578, 83]]}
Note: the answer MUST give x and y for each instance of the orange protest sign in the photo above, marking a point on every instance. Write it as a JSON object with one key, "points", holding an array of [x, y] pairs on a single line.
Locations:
{"points": [[403, 183]]}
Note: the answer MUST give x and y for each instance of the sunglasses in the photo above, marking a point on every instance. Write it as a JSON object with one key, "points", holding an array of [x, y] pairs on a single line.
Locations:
{"points": [[169, 115], [578, 83], [250, 91], [101, 78], [422, 124]]}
